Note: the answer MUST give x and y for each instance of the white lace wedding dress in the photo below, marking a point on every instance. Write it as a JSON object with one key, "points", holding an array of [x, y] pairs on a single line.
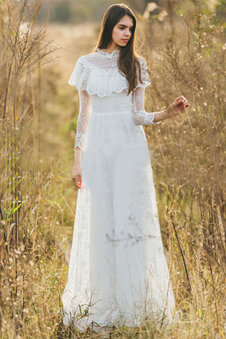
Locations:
{"points": [[118, 272]]}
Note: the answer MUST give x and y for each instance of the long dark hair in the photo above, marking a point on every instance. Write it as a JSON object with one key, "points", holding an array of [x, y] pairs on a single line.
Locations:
{"points": [[128, 59]]}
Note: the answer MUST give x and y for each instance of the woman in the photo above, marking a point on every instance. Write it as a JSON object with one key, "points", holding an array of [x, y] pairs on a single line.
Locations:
{"points": [[118, 272]]}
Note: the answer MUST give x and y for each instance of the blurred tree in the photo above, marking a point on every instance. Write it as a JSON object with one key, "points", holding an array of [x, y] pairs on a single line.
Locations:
{"points": [[77, 11], [221, 11], [61, 12]]}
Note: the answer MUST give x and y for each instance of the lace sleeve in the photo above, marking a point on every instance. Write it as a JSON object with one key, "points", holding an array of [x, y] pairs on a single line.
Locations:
{"points": [[78, 79], [140, 116], [83, 119]]}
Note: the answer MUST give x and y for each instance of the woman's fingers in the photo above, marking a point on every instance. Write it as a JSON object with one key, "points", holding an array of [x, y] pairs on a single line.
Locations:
{"points": [[78, 182], [182, 100], [178, 105], [77, 179]]}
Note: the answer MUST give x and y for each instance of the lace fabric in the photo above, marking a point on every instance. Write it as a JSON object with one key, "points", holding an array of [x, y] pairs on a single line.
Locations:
{"points": [[140, 116], [98, 74], [85, 108], [118, 272]]}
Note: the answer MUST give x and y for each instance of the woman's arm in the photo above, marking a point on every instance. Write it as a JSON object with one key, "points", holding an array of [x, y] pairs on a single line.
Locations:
{"points": [[80, 138], [83, 119], [141, 117]]}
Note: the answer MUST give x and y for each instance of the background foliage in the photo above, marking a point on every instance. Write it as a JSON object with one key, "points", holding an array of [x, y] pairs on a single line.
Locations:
{"points": [[183, 43]]}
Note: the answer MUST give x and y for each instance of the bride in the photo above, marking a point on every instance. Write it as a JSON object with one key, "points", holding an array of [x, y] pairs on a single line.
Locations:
{"points": [[118, 273]]}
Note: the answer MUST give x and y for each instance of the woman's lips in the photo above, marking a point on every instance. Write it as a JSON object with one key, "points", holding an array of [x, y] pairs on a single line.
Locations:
{"points": [[125, 40]]}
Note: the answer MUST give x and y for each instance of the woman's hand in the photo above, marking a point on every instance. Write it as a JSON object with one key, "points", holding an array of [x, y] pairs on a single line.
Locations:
{"points": [[77, 174], [177, 106]]}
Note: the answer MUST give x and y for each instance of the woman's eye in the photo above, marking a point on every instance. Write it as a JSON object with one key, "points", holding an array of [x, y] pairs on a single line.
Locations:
{"points": [[131, 29]]}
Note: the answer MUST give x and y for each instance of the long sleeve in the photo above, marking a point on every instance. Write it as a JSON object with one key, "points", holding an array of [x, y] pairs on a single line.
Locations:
{"points": [[85, 108], [140, 116], [78, 79]]}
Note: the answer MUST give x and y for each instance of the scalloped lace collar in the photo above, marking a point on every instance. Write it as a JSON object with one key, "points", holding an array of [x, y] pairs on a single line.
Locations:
{"points": [[109, 55]]}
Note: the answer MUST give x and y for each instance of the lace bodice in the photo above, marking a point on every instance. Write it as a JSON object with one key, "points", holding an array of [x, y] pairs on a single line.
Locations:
{"points": [[96, 75]]}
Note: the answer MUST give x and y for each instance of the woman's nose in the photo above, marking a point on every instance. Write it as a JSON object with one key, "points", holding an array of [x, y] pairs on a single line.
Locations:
{"points": [[127, 33]]}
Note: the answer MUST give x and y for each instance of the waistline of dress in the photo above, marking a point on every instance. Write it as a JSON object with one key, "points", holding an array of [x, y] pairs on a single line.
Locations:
{"points": [[111, 112]]}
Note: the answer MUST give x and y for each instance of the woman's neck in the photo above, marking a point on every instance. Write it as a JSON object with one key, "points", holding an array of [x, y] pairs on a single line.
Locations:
{"points": [[111, 48]]}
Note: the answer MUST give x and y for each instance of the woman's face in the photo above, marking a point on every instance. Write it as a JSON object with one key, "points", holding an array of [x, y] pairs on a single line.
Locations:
{"points": [[122, 31]]}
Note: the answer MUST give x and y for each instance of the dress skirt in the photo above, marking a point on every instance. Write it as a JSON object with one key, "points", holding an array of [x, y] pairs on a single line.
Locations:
{"points": [[118, 273]]}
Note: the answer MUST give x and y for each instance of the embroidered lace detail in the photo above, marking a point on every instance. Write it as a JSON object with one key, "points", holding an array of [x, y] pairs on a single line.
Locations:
{"points": [[115, 52], [146, 81], [116, 231], [140, 116], [85, 108], [98, 73]]}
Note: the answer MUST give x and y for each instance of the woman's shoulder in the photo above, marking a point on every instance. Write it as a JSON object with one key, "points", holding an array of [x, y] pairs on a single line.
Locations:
{"points": [[81, 71], [145, 75], [86, 58], [142, 61]]}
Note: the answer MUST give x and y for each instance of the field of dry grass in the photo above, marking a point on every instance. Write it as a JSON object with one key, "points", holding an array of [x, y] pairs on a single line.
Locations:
{"points": [[38, 121]]}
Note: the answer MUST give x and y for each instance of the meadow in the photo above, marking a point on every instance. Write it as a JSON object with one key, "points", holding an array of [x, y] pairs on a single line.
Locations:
{"points": [[185, 53]]}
